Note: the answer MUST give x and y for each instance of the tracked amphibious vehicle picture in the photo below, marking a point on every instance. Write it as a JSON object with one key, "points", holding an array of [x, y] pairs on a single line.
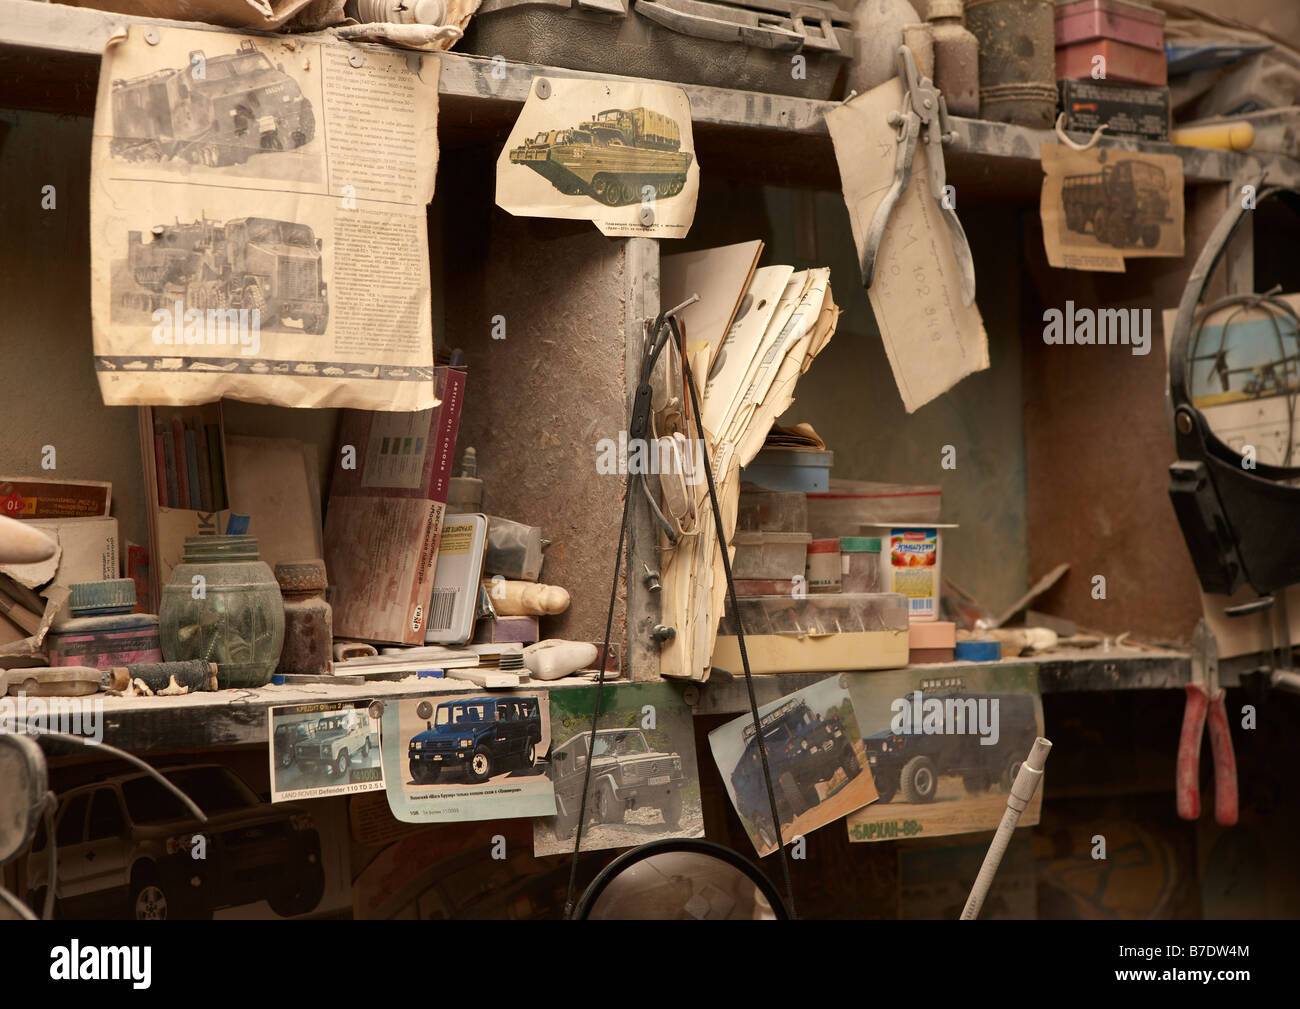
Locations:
{"points": [[219, 110], [611, 157]]}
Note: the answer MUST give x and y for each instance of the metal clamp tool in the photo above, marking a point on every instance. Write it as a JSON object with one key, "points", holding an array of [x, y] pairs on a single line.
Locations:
{"points": [[923, 109]]}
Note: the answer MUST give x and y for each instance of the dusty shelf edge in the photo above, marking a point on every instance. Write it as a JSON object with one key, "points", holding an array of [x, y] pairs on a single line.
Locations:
{"points": [[238, 717], [80, 31]]}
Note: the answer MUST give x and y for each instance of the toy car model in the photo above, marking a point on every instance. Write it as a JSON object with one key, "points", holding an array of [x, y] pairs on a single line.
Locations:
{"points": [[913, 763], [479, 736], [126, 844], [338, 740], [626, 774]]}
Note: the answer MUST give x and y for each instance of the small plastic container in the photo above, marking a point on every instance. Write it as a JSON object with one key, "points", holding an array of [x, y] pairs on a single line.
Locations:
{"points": [[911, 562], [103, 632], [817, 615], [771, 511], [824, 566], [770, 555], [859, 563]]}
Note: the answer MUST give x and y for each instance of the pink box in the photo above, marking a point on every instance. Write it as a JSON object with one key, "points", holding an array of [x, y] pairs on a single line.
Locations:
{"points": [[1129, 64], [1110, 19]]}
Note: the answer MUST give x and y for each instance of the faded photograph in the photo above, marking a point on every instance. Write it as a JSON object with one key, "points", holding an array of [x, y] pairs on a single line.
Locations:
{"points": [[815, 756], [644, 785], [226, 106]]}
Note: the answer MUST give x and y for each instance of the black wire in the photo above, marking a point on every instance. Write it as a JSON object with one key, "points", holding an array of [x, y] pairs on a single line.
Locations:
{"points": [[740, 631], [651, 355]]}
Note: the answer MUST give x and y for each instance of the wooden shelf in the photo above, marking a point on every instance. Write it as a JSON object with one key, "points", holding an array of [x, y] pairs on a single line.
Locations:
{"points": [[49, 59], [238, 717]]}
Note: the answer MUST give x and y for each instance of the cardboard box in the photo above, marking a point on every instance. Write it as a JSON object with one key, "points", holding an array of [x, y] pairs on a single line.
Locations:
{"points": [[88, 552], [384, 519], [32, 497], [1126, 110]]}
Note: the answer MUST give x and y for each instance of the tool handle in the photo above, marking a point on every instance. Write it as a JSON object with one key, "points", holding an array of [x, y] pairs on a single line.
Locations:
{"points": [[1187, 786], [1225, 763]]}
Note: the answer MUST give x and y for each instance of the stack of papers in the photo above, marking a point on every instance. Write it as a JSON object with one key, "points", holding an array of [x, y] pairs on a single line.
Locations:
{"points": [[779, 321]]}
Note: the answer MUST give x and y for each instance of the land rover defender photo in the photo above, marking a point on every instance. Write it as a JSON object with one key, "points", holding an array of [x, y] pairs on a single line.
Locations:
{"points": [[338, 740]]}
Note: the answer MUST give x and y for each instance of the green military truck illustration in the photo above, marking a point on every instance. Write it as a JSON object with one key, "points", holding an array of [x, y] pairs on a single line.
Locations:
{"points": [[251, 262], [1123, 204], [611, 157], [217, 111]]}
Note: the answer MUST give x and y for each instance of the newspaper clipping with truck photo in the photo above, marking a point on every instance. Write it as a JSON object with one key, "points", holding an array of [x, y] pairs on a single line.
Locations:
{"points": [[258, 223]]}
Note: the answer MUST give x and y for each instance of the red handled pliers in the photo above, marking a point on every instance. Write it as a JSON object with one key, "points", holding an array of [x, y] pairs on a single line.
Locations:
{"points": [[1205, 703]]}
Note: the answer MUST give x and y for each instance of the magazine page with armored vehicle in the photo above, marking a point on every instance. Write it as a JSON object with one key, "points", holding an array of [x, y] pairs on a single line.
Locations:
{"points": [[945, 750], [815, 754], [620, 155], [468, 757], [258, 216], [1101, 206]]}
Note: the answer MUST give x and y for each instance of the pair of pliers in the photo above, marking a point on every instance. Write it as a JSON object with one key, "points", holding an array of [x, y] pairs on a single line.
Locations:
{"points": [[1205, 704], [924, 110]]}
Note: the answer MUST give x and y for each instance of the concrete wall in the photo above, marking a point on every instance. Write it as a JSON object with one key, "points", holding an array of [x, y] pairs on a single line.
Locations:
{"points": [[47, 380]]}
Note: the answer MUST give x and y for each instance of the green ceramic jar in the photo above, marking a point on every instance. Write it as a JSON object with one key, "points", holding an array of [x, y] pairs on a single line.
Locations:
{"points": [[222, 604]]}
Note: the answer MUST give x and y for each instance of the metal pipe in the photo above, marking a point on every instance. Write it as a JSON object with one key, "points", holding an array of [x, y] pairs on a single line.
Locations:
{"points": [[1022, 790]]}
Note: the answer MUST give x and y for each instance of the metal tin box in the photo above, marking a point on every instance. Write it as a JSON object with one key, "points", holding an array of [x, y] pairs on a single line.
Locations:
{"points": [[751, 45]]}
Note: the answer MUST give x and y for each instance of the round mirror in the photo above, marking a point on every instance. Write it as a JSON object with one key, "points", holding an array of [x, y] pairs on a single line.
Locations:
{"points": [[681, 880], [1243, 373]]}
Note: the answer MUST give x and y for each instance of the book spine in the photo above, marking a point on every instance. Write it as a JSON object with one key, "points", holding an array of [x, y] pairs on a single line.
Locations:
{"points": [[182, 467], [216, 462], [451, 390], [192, 469], [169, 464], [204, 465], [160, 466]]}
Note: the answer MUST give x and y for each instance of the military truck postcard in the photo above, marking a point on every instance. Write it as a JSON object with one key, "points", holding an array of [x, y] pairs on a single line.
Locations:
{"points": [[816, 757], [468, 757], [644, 785], [618, 154], [1101, 206], [331, 748], [944, 748]]}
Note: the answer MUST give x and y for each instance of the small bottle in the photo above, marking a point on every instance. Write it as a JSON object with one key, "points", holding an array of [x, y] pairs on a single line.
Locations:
{"points": [[465, 495], [956, 58], [308, 618], [877, 34], [824, 565]]}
